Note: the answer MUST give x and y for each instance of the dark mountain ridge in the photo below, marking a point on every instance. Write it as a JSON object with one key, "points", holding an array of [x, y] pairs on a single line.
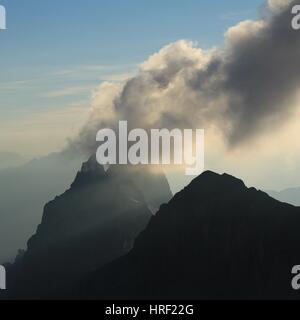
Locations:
{"points": [[216, 239], [91, 224], [25, 189], [291, 195]]}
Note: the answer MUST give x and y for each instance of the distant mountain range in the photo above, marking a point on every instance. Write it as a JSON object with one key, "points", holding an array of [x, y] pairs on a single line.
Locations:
{"points": [[216, 239]]}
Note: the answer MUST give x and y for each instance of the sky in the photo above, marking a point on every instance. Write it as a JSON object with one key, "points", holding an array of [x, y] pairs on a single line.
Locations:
{"points": [[55, 53], [231, 67]]}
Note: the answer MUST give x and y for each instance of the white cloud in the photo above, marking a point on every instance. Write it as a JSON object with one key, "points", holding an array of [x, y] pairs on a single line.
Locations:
{"points": [[238, 93], [276, 5], [183, 85]]}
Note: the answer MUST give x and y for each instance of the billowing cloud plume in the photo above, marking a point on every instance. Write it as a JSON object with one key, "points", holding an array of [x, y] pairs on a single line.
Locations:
{"points": [[276, 5], [242, 89]]}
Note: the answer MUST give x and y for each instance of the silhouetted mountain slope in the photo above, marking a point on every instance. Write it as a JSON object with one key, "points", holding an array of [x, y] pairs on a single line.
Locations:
{"points": [[216, 239], [24, 191], [149, 179], [291, 195], [92, 223]]}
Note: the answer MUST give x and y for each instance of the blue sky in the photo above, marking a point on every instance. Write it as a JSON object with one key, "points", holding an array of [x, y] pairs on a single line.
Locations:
{"points": [[111, 31], [55, 52]]}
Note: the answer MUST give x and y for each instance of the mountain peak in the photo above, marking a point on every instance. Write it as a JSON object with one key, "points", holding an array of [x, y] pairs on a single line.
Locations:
{"points": [[216, 239], [212, 182], [90, 171]]}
